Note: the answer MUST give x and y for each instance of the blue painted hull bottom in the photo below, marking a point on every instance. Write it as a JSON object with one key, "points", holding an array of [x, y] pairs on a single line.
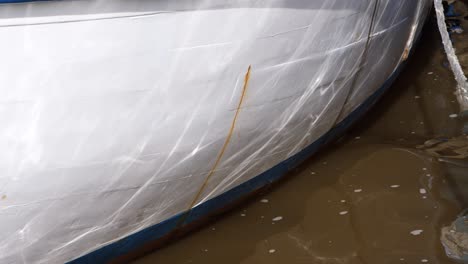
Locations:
{"points": [[155, 236]]}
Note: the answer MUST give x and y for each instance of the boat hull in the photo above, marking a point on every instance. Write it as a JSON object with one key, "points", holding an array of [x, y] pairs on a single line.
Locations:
{"points": [[126, 121]]}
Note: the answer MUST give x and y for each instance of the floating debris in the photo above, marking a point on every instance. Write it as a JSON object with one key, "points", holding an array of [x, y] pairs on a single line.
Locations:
{"points": [[422, 191], [416, 232], [430, 73], [278, 218], [242, 214], [394, 186], [343, 212], [454, 238], [358, 190], [343, 201], [271, 251], [424, 260], [453, 116], [455, 148], [264, 200]]}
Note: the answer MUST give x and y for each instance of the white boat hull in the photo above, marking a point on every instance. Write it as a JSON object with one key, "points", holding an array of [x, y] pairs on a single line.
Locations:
{"points": [[118, 115]]}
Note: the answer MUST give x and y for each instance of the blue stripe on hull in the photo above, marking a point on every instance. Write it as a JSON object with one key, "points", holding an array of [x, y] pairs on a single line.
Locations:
{"points": [[153, 233]]}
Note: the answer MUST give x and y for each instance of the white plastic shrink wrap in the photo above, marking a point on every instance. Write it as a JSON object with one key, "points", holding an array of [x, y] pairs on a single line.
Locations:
{"points": [[117, 115]]}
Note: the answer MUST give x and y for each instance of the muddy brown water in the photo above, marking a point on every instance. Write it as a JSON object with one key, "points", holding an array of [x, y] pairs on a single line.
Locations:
{"points": [[371, 197]]}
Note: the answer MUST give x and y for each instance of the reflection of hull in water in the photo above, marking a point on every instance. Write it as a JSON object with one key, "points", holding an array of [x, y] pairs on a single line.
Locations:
{"points": [[123, 117]]}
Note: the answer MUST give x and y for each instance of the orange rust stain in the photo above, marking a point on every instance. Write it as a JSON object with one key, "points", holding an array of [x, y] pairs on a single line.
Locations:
{"points": [[405, 54], [228, 139]]}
